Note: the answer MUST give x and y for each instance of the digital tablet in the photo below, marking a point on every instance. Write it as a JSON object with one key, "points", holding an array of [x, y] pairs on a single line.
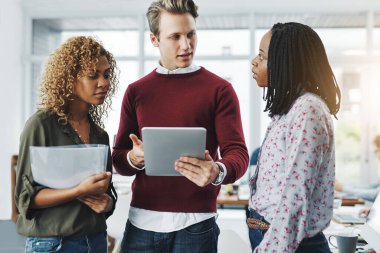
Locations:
{"points": [[164, 145]]}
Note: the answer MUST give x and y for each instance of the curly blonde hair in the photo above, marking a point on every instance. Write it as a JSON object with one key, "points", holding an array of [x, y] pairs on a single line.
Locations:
{"points": [[72, 60]]}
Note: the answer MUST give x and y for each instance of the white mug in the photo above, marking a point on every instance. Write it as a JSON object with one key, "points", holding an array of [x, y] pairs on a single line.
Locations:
{"points": [[346, 243]]}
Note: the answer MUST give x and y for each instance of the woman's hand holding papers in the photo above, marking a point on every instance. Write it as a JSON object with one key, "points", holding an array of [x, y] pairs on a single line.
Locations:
{"points": [[98, 203], [94, 185], [93, 192]]}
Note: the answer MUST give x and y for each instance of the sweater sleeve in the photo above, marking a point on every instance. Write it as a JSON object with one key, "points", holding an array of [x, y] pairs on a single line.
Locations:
{"points": [[128, 125], [229, 133]]}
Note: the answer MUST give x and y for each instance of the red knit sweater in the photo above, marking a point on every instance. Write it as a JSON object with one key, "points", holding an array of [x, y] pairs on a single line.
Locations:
{"points": [[197, 99]]}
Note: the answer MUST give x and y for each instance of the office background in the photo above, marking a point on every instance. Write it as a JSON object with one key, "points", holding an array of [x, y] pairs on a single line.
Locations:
{"points": [[229, 33]]}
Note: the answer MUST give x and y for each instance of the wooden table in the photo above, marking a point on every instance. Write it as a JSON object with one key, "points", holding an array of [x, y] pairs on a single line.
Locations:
{"points": [[231, 200], [352, 201]]}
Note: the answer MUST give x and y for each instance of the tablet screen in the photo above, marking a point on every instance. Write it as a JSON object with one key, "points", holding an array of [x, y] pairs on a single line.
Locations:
{"points": [[164, 145]]}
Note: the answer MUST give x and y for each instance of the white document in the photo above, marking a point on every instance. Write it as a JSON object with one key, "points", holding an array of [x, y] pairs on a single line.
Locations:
{"points": [[61, 167]]}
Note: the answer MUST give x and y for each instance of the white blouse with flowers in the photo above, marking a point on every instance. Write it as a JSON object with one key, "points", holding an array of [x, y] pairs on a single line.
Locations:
{"points": [[296, 172]]}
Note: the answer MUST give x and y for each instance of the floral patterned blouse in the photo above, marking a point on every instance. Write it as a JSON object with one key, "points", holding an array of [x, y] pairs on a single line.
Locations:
{"points": [[294, 186]]}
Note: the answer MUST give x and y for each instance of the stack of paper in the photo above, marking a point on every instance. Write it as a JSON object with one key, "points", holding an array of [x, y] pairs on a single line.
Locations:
{"points": [[62, 167]]}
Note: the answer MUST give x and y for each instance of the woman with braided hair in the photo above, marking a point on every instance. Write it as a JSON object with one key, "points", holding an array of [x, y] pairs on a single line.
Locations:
{"points": [[292, 189]]}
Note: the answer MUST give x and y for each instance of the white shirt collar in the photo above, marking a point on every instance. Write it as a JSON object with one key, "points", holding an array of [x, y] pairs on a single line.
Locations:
{"points": [[162, 70]]}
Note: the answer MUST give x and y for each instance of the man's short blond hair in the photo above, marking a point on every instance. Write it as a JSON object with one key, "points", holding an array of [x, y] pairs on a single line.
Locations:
{"points": [[172, 6]]}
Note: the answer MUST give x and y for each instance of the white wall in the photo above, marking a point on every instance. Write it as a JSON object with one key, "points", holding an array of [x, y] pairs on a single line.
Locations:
{"points": [[11, 93]]}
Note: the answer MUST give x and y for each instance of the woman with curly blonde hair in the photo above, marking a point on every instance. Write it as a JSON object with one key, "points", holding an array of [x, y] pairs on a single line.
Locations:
{"points": [[77, 85]]}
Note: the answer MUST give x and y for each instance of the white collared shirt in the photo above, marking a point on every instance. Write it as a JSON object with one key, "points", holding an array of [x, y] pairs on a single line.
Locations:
{"points": [[189, 69], [166, 222]]}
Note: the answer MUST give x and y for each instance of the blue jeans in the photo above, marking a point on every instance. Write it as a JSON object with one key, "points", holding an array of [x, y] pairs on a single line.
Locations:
{"points": [[315, 244], [198, 238], [96, 243]]}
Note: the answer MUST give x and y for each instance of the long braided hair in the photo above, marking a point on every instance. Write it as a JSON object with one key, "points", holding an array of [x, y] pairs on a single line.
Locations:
{"points": [[297, 63]]}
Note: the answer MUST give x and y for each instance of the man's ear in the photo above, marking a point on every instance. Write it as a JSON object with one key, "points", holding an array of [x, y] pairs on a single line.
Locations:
{"points": [[153, 39]]}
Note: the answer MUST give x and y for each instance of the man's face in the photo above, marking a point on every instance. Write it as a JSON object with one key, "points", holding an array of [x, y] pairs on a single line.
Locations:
{"points": [[177, 40]]}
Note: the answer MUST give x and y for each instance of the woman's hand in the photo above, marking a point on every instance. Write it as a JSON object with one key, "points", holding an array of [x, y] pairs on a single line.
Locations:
{"points": [[98, 203], [94, 185]]}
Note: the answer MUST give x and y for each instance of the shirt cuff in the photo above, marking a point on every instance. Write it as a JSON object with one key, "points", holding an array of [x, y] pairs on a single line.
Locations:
{"points": [[223, 168], [131, 164]]}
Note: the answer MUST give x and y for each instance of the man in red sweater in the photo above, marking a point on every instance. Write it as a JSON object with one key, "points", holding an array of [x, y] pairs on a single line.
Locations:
{"points": [[177, 214]]}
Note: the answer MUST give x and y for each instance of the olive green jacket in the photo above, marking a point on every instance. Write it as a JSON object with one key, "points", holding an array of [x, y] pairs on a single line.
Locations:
{"points": [[72, 218]]}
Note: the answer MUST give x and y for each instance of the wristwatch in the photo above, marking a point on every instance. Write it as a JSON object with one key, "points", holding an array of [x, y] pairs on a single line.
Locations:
{"points": [[219, 179]]}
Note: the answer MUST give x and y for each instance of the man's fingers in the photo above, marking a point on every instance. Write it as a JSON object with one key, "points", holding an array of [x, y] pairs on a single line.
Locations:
{"points": [[208, 156], [192, 160], [139, 155], [135, 140], [190, 169], [187, 166], [191, 175], [194, 177]]}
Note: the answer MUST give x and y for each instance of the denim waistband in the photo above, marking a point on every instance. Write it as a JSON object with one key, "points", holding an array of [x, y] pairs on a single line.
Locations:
{"points": [[85, 237], [256, 215]]}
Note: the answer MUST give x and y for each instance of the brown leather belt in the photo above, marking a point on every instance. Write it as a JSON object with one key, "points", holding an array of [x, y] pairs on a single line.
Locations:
{"points": [[257, 224]]}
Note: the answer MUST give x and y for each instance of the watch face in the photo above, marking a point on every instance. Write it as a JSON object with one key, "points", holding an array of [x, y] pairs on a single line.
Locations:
{"points": [[219, 178]]}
